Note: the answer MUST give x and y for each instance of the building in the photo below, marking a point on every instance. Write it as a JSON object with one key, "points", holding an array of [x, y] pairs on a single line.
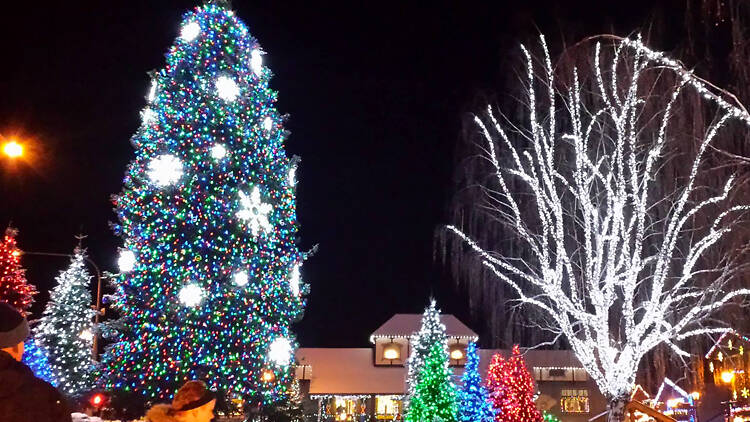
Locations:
{"points": [[362, 384]]}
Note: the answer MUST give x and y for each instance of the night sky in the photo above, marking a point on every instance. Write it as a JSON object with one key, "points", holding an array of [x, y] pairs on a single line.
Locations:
{"points": [[376, 93]]}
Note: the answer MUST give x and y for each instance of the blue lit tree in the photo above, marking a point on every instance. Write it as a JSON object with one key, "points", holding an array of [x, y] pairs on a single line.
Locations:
{"points": [[209, 279], [35, 357], [473, 404]]}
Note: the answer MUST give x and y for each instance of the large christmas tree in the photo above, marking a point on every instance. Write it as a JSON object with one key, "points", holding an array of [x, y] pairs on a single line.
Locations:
{"points": [[434, 397], [430, 333], [474, 404], [210, 270], [66, 329], [14, 289], [511, 389]]}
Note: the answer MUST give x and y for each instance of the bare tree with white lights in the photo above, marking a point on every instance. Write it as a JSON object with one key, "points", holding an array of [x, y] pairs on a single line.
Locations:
{"points": [[580, 184]]}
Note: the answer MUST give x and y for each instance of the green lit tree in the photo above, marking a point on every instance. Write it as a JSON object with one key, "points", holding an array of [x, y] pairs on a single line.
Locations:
{"points": [[434, 397], [209, 279], [430, 333], [66, 329]]}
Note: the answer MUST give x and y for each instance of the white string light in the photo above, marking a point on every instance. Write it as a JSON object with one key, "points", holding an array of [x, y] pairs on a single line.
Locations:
{"points": [[612, 270]]}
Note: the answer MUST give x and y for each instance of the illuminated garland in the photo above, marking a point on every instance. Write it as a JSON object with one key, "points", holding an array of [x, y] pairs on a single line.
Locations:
{"points": [[210, 279], [434, 397], [512, 389], [474, 405], [14, 289]]}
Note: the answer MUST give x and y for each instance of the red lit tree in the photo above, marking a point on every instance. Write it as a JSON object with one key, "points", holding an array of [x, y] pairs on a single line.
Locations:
{"points": [[14, 289], [512, 389]]}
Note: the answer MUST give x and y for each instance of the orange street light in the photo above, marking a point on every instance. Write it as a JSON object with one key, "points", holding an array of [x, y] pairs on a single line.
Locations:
{"points": [[13, 149]]}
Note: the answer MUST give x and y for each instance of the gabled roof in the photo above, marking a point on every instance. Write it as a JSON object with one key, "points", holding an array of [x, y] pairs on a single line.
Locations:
{"points": [[404, 325]]}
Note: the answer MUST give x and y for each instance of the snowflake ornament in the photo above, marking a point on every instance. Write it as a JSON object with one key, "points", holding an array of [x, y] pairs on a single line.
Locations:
{"points": [[191, 295], [164, 170], [254, 211], [280, 351]]}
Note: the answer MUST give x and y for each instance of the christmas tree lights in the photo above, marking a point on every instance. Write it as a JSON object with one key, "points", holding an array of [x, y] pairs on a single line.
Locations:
{"points": [[511, 389], [14, 289], [207, 213], [474, 404], [434, 397], [549, 417], [430, 333], [35, 357], [66, 329]]}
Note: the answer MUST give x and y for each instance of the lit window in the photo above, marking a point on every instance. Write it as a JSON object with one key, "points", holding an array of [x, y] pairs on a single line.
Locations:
{"points": [[457, 352], [387, 407], [392, 351], [345, 408], [574, 401]]}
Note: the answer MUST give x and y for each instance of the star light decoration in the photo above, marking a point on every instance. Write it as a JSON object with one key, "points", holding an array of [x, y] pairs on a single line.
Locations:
{"points": [[227, 89], [615, 158], [218, 151], [254, 211], [268, 124], [164, 170], [256, 62], [294, 280], [126, 260], [191, 295], [280, 351], [240, 278], [190, 31]]}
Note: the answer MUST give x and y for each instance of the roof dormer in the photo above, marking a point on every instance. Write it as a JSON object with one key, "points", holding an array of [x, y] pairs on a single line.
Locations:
{"points": [[391, 340]]}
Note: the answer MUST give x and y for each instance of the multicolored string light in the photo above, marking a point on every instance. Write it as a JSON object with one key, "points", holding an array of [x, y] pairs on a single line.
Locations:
{"points": [[210, 262]]}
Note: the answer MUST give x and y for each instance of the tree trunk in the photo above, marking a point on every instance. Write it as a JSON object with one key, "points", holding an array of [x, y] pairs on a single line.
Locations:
{"points": [[616, 408]]}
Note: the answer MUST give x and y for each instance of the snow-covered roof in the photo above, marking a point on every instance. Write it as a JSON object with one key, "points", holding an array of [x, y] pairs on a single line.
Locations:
{"points": [[404, 325]]}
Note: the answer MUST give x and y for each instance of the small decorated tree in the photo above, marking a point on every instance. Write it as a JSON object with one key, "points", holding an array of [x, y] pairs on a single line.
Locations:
{"points": [[549, 417], [474, 404], [66, 329], [512, 389], [434, 397], [432, 332], [14, 289]]}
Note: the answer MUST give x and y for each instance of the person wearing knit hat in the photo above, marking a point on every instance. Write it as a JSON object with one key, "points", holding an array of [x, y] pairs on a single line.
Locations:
{"points": [[23, 397], [194, 402]]}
